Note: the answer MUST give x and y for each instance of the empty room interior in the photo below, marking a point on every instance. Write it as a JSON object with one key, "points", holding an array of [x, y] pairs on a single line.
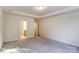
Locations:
{"points": [[39, 29]]}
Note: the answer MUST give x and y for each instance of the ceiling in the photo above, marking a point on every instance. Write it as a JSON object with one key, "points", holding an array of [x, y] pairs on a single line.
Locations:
{"points": [[32, 10]]}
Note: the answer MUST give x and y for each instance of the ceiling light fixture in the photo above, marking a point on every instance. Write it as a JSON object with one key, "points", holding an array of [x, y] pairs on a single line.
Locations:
{"points": [[40, 7]]}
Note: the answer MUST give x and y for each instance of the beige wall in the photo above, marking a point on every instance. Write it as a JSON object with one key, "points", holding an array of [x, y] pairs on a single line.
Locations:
{"points": [[12, 27], [21, 27], [63, 27], [1, 28]]}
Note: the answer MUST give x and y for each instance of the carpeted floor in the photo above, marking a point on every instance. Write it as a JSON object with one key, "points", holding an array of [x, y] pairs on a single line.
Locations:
{"points": [[38, 45]]}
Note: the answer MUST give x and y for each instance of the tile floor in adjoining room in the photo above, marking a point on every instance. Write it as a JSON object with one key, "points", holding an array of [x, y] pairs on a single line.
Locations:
{"points": [[38, 45]]}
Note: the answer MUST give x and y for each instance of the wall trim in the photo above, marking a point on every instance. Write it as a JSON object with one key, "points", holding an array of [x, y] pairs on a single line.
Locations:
{"points": [[60, 11], [47, 15], [24, 14], [61, 41]]}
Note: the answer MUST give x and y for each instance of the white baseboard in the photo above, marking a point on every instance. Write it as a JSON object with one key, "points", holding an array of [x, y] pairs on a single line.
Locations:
{"points": [[62, 41]]}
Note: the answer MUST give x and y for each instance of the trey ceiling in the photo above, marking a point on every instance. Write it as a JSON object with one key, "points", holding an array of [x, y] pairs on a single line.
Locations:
{"points": [[31, 9]]}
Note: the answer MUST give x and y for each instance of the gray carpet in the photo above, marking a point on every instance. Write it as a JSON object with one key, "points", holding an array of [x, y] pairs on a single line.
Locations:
{"points": [[43, 45]]}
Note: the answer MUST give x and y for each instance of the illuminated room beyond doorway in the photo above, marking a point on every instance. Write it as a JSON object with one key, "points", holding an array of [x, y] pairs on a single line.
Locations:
{"points": [[23, 29]]}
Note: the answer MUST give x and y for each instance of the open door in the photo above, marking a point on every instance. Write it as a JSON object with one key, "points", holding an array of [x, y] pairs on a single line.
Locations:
{"points": [[23, 29]]}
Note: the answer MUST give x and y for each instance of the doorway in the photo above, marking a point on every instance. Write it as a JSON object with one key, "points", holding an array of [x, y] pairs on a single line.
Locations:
{"points": [[23, 29]]}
